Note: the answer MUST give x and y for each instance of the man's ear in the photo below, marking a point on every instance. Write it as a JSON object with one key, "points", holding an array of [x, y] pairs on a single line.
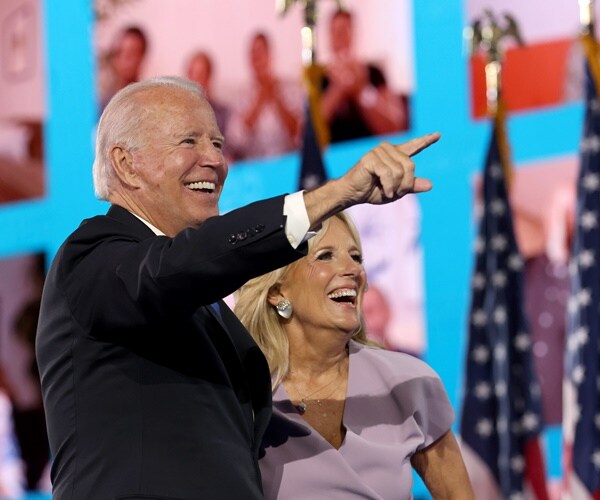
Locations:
{"points": [[122, 162]]}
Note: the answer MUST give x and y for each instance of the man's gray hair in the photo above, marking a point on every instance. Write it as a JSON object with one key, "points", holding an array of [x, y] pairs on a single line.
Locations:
{"points": [[120, 125]]}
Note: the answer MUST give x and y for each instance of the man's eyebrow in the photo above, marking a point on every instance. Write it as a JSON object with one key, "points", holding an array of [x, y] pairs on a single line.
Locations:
{"points": [[188, 133]]}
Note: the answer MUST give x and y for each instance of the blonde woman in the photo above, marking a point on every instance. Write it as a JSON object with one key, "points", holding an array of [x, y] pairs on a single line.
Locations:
{"points": [[349, 418]]}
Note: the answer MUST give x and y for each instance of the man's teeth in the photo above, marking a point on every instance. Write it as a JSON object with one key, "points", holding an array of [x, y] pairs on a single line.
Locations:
{"points": [[202, 185], [347, 292]]}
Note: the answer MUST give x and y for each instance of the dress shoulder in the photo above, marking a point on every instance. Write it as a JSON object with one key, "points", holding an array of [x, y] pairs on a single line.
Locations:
{"points": [[404, 387], [396, 364]]}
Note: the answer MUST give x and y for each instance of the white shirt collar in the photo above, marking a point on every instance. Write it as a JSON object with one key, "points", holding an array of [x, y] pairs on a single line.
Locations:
{"points": [[154, 229]]}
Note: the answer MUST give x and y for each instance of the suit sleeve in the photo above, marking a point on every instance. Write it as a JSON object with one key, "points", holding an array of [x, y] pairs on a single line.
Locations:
{"points": [[115, 280]]}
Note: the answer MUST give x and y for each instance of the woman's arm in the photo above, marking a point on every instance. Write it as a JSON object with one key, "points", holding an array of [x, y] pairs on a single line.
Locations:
{"points": [[442, 469]]}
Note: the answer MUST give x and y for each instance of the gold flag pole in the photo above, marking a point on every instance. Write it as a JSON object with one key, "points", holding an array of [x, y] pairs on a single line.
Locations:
{"points": [[313, 72], [487, 34], [588, 40]]}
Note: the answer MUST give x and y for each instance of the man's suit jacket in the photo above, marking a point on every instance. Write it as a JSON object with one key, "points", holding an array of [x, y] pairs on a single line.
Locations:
{"points": [[148, 392]]}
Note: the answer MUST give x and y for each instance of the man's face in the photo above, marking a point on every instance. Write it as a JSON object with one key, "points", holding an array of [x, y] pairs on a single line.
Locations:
{"points": [[259, 56], [180, 167], [199, 71], [341, 34], [128, 57]]}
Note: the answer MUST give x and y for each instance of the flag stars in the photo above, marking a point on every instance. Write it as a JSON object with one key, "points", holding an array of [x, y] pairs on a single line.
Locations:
{"points": [[478, 281], [500, 353], [576, 412], [572, 342], [535, 390], [522, 341], [515, 262], [517, 464], [572, 268], [584, 297], [499, 279], [530, 421], [479, 245], [480, 354], [597, 420], [497, 207], [484, 427], [500, 315], [572, 305], [502, 425], [479, 317], [596, 459], [589, 220], [586, 258], [495, 170], [482, 390], [499, 242], [590, 144], [578, 374], [311, 181], [582, 335], [500, 389], [578, 338], [591, 181]]}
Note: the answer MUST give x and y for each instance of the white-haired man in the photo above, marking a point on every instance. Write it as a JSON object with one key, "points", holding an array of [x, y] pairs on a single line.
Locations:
{"points": [[152, 387]]}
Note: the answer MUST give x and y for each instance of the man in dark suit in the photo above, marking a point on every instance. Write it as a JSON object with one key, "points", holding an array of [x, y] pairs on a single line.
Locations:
{"points": [[152, 388]]}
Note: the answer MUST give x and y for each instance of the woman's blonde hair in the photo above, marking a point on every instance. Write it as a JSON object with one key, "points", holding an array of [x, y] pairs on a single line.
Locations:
{"points": [[260, 318]]}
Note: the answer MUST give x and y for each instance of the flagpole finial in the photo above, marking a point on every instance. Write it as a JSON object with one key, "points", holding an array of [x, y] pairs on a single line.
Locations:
{"points": [[487, 34], [586, 16], [307, 33]]}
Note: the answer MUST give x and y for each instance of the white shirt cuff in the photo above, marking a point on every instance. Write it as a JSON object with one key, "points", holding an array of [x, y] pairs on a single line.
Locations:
{"points": [[297, 224]]}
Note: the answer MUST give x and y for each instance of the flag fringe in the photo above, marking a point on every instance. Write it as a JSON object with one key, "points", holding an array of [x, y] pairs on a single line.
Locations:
{"points": [[313, 76], [503, 146]]}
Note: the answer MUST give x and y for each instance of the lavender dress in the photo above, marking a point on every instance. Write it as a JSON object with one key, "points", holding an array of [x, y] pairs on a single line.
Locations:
{"points": [[395, 406]]}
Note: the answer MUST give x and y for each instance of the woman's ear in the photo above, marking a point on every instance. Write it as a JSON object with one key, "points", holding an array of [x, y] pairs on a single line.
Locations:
{"points": [[274, 295], [122, 162]]}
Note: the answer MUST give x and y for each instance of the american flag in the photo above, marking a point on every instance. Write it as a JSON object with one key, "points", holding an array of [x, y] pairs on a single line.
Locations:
{"points": [[312, 167], [314, 135], [581, 398], [501, 413]]}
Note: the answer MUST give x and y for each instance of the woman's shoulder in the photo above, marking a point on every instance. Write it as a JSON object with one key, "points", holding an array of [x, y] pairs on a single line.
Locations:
{"points": [[402, 385], [395, 363]]}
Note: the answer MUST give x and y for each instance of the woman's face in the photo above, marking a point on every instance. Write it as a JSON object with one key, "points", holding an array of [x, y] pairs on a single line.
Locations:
{"points": [[326, 287]]}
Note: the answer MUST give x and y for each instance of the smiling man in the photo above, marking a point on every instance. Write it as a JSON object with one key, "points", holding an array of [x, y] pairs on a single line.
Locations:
{"points": [[152, 388]]}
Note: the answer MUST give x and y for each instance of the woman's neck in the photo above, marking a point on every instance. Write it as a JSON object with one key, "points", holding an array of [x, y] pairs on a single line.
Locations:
{"points": [[313, 360]]}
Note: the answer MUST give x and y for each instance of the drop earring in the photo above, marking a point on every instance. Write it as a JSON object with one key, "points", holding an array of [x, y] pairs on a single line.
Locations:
{"points": [[284, 308]]}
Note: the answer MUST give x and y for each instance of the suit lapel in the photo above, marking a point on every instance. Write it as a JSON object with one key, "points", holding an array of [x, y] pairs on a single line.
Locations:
{"points": [[256, 371], [246, 365]]}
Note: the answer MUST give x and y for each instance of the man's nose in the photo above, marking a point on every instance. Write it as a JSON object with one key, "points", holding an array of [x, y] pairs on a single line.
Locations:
{"points": [[211, 153]]}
